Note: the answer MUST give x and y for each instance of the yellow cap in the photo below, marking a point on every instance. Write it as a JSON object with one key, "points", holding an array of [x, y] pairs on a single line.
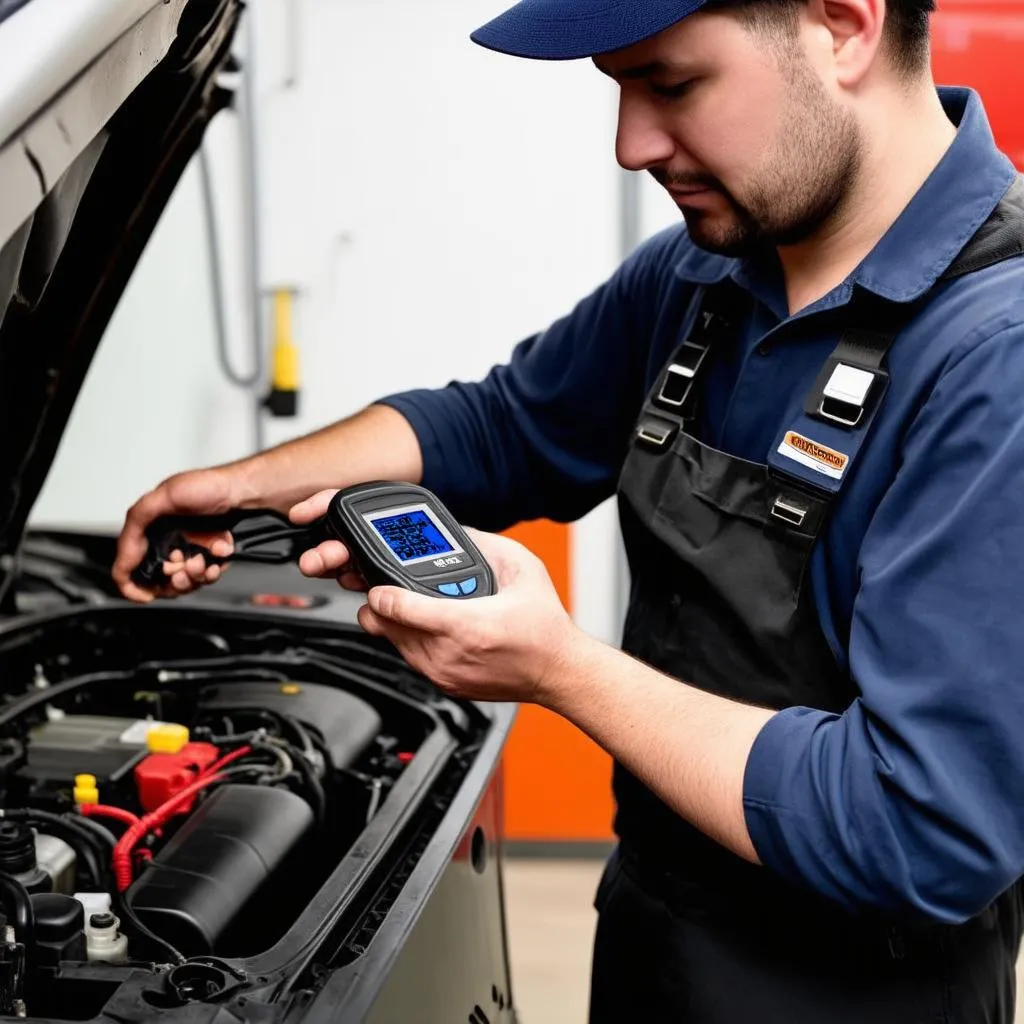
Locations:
{"points": [[85, 790], [290, 689], [166, 739]]}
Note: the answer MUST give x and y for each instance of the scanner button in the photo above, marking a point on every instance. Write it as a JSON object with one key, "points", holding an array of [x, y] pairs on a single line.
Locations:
{"points": [[449, 589], [468, 586]]}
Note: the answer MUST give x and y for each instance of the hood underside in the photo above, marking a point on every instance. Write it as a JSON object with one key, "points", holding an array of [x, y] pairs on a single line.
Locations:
{"points": [[98, 120]]}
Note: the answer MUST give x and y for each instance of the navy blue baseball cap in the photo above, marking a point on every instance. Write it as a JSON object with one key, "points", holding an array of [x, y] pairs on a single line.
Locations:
{"points": [[570, 29]]}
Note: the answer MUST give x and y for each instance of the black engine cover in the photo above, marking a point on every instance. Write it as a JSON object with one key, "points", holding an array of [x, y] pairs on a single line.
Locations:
{"points": [[200, 881]]}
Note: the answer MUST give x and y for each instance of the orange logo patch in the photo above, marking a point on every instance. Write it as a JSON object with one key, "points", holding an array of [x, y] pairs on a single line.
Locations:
{"points": [[813, 455]]}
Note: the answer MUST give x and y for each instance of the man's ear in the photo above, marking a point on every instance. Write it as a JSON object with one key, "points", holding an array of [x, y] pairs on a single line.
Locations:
{"points": [[847, 35]]}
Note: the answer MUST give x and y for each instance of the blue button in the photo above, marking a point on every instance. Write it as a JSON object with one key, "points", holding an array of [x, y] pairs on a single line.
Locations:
{"points": [[468, 586], [449, 589]]}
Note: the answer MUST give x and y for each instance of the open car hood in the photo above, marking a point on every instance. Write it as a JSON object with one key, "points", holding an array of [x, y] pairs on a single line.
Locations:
{"points": [[102, 105]]}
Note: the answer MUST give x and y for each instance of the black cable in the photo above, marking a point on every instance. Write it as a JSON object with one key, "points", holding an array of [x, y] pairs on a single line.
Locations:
{"points": [[126, 913], [206, 734], [22, 705], [19, 907], [97, 828], [84, 841], [316, 791], [276, 718]]}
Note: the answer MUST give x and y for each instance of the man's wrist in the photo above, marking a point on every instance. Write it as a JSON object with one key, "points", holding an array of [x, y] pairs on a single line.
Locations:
{"points": [[247, 483], [566, 671]]}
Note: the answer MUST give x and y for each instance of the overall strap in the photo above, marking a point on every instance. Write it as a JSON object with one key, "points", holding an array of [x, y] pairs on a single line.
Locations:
{"points": [[818, 450], [1000, 238], [671, 404]]}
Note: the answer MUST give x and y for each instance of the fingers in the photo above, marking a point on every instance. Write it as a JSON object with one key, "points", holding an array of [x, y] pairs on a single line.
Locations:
{"points": [[187, 574], [133, 592], [198, 492], [496, 548], [413, 611], [132, 544], [353, 581], [508, 558], [312, 508], [220, 545], [371, 622], [326, 560]]}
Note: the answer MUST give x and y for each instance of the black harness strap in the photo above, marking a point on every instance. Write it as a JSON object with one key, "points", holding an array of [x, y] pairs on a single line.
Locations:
{"points": [[852, 378]]}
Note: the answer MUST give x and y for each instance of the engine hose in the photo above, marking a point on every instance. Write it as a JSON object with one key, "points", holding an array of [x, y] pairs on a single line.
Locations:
{"points": [[99, 831], [300, 730], [18, 905], [318, 801], [223, 762], [325, 756]]}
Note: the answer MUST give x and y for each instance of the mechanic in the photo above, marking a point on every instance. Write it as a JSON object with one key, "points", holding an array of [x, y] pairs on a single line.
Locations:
{"points": [[809, 402]]}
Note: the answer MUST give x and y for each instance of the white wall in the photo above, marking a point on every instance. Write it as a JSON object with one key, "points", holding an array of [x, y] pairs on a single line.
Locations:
{"points": [[433, 203]]}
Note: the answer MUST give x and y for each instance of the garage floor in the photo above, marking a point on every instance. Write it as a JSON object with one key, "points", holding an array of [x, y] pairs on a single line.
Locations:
{"points": [[551, 924]]}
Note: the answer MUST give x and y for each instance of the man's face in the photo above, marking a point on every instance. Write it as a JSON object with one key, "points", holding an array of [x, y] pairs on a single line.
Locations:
{"points": [[740, 130]]}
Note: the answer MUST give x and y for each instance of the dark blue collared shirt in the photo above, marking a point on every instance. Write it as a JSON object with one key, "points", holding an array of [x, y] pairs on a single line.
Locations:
{"points": [[912, 801]]}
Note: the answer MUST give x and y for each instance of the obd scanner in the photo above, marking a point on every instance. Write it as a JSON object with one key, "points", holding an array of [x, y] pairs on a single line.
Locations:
{"points": [[398, 534]]}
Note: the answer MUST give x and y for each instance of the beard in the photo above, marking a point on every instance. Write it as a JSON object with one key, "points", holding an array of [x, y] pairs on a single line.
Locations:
{"points": [[804, 185]]}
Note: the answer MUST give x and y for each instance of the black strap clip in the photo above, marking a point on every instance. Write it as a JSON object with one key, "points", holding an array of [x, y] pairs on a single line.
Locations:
{"points": [[677, 380], [655, 432], [795, 508]]}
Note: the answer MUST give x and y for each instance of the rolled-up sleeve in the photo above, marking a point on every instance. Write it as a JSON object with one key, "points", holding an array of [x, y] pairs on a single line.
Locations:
{"points": [[912, 801], [545, 434]]}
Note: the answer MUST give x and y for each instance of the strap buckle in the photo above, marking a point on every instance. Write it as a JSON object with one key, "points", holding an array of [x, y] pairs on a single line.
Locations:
{"points": [[789, 511], [656, 433], [845, 396], [677, 380]]}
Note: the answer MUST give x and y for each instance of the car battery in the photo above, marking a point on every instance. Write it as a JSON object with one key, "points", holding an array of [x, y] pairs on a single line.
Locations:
{"points": [[164, 774]]}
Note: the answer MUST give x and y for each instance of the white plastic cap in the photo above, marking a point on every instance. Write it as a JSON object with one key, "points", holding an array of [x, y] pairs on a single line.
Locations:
{"points": [[94, 903]]}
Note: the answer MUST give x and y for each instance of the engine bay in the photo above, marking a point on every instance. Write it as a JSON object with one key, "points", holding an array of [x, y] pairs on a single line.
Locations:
{"points": [[175, 796]]}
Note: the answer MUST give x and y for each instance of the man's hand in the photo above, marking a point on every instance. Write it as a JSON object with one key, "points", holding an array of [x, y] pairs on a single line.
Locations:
{"points": [[505, 647], [201, 492], [330, 559]]}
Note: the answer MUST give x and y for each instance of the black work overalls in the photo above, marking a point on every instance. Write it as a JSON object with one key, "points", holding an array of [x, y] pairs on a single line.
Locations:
{"points": [[720, 598]]}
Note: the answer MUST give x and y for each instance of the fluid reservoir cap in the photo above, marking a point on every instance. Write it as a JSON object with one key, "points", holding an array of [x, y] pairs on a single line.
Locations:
{"points": [[85, 790], [166, 739], [17, 847], [94, 902], [58, 917]]}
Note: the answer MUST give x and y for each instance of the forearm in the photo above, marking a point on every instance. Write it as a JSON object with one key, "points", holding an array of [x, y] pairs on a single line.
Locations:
{"points": [[375, 444], [689, 747]]}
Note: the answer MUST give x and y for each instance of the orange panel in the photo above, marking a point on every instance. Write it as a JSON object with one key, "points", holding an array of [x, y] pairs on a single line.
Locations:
{"points": [[557, 781]]}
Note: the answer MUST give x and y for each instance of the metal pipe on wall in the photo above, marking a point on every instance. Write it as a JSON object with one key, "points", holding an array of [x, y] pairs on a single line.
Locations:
{"points": [[251, 190]]}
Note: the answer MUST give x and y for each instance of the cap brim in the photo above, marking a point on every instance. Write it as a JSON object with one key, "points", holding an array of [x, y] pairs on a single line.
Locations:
{"points": [[541, 30]]}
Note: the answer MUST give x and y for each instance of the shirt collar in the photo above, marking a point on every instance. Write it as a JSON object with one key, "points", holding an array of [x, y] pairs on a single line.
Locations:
{"points": [[951, 205], [954, 201]]}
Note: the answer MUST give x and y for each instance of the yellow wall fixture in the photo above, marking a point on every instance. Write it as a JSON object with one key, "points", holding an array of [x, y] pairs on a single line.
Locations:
{"points": [[285, 378]]}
